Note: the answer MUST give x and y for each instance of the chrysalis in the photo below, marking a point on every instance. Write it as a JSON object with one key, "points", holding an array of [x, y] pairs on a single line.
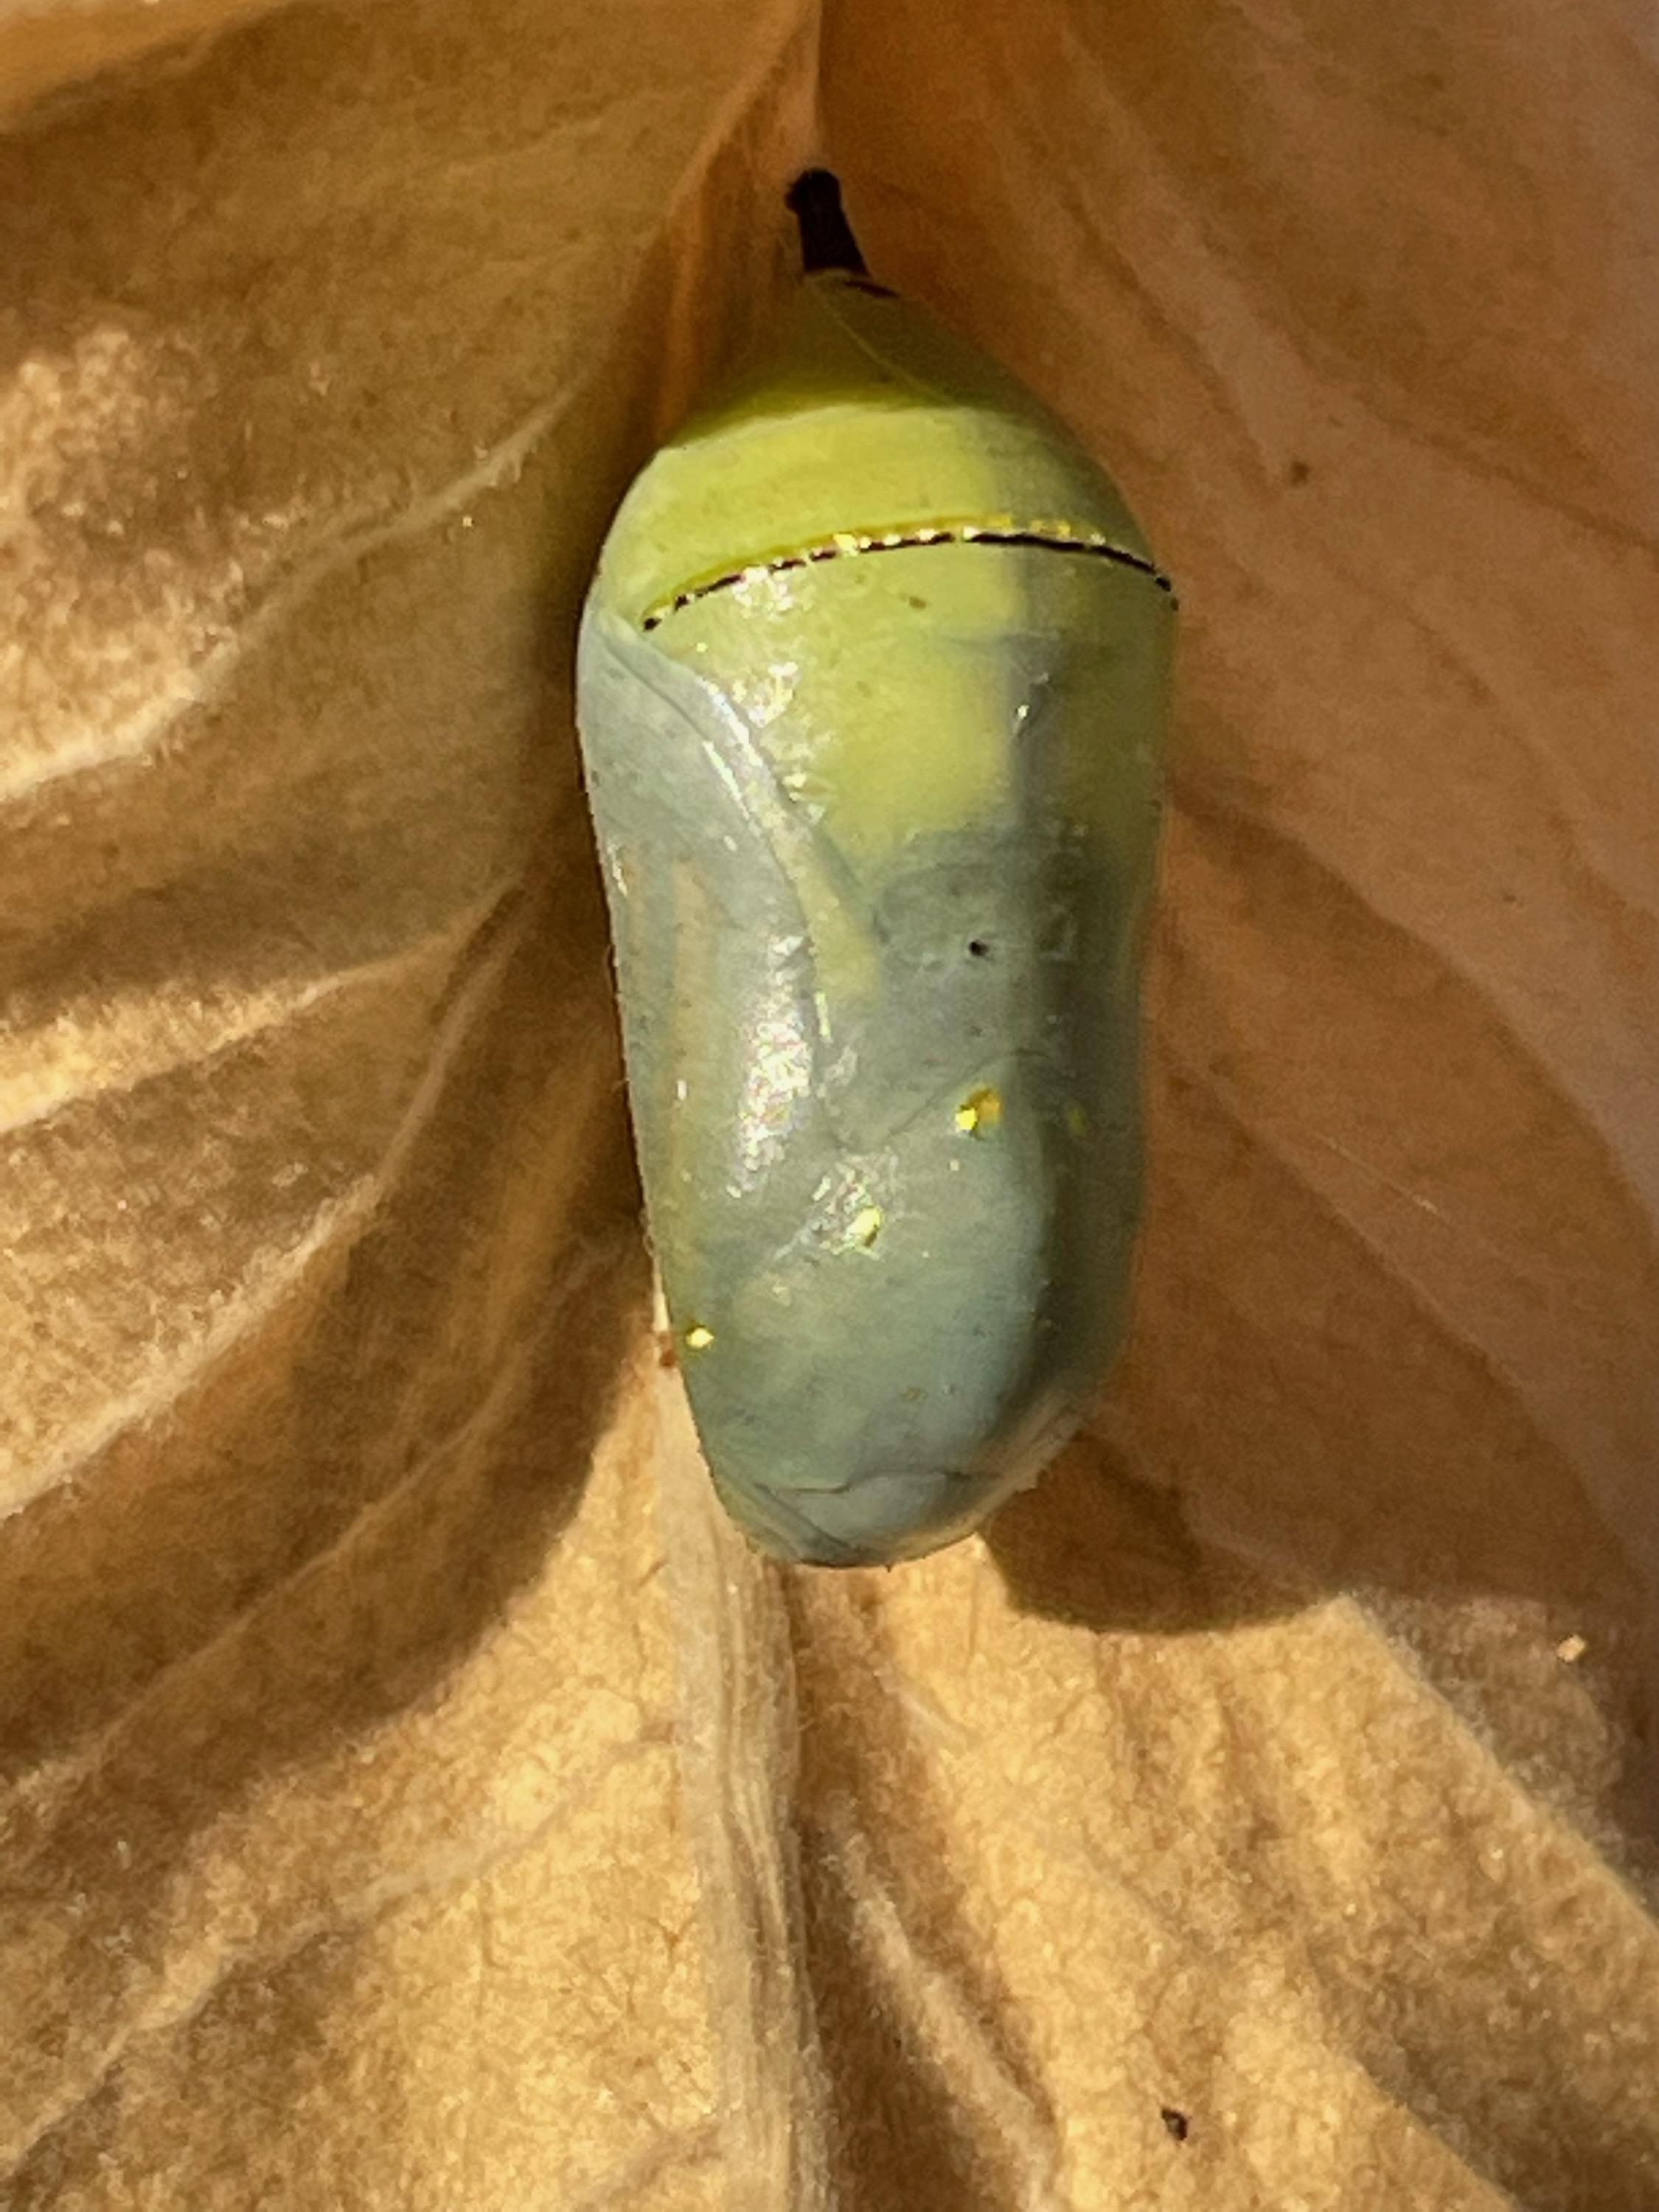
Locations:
{"points": [[871, 681]]}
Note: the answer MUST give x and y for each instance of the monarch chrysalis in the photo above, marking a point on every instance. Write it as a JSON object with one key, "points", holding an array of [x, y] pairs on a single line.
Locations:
{"points": [[872, 680]]}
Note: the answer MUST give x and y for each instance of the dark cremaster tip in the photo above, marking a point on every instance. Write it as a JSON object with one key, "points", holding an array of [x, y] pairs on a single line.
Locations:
{"points": [[826, 236]]}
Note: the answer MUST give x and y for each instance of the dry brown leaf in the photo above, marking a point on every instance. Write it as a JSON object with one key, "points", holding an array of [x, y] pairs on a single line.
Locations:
{"points": [[414, 1795]]}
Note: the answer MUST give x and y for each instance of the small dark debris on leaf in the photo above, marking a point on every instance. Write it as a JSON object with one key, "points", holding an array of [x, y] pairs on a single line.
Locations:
{"points": [[666, 1355], [1175, 2122]]}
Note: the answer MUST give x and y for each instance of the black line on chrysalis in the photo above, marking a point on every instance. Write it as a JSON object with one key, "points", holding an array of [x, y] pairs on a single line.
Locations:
{"points": [[899, 542]]}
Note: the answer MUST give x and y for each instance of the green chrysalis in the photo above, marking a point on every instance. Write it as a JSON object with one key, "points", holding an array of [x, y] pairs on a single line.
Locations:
{"points": [[871, 681]]}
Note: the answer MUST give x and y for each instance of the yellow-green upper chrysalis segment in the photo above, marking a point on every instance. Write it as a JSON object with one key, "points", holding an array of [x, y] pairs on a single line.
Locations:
{"points": [[872, 419]]}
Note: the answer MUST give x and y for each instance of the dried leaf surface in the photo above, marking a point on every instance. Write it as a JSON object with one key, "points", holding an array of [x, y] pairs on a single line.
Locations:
{"points": [[410, 1794]]}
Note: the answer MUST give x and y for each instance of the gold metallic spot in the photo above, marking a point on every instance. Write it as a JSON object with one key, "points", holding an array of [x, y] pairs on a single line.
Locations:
{"points": [[980, 1112], [697, 1338], [867, 1226]]}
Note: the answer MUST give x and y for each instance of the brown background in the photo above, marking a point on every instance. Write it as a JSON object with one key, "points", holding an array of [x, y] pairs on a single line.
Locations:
{"points": [[412, 1796]]}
